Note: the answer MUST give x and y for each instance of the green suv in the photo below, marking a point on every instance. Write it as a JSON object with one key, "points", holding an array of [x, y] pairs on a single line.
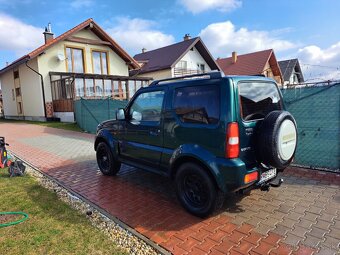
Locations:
{"points": [[211, 134]]}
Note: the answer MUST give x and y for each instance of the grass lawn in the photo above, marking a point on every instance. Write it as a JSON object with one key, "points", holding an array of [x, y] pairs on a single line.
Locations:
{"points": [[53, 227], [53, 124]]}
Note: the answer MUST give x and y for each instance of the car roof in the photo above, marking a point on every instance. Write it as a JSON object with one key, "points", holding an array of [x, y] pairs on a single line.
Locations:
{"points": [[182, 82]]}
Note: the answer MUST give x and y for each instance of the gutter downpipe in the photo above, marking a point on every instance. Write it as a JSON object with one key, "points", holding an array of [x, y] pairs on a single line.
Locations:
{"points": [[42, 87]]}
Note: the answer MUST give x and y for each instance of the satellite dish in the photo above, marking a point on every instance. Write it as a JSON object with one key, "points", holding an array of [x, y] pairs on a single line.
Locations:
{"points": [[61, 57]]}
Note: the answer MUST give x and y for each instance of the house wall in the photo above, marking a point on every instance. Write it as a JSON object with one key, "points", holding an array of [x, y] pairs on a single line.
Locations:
{"points": [[269, 73], [193, 57], [162, 74], [30, 87]]}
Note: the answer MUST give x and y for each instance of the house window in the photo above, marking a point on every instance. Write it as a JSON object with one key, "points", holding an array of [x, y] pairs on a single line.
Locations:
{"points": [[201, 68], [19, 108], [18, 92], [75, 60], [99, 61], [16, 74], [182, 64], [13, 95]]}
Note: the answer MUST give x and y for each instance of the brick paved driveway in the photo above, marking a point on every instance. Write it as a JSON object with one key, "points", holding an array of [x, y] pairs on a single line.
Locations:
{"points": [[302, 216]]}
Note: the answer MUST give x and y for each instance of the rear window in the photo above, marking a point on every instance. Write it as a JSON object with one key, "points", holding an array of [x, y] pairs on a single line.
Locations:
{"points": [[199, 104], [258, 99]]}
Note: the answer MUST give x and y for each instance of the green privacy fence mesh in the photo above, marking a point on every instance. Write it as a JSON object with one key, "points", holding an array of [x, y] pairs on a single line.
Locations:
{"points": [[317, 113], [90, 112], [316, 110]]}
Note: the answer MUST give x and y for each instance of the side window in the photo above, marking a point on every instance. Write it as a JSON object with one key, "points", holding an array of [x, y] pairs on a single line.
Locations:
{"points": [[199, 104], [147, 108]]}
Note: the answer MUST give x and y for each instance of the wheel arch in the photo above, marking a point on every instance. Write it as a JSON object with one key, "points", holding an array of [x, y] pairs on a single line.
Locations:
{"points": [[192, 159]]}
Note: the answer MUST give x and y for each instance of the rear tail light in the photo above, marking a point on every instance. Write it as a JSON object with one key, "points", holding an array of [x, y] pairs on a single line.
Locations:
{"points": [[251, 177], [232, 141]]}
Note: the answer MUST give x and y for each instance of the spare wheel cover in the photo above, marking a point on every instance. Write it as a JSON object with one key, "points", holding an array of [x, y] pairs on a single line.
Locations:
{"points": [[287, 139]]}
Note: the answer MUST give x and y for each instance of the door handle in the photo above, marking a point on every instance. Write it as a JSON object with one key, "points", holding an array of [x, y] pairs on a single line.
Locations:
{"points": [[155, 132]]}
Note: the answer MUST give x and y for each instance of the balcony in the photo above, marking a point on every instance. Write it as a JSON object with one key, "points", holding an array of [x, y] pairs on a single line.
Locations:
{"points": [[178, 72]]}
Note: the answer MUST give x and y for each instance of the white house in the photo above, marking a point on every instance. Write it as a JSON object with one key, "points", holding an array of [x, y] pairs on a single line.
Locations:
{"points": [[83, 62], [190, 56]]}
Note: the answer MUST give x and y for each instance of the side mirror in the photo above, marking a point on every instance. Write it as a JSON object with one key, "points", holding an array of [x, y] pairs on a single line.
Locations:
{"points": [[136, 116], [120, 114]]}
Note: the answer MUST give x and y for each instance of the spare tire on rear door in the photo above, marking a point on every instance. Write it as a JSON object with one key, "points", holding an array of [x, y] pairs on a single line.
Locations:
{"points": [[277, 139]]}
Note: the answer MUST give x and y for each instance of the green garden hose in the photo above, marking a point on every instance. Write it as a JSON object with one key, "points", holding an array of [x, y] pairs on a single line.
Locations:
{"points": [[13, 222]]}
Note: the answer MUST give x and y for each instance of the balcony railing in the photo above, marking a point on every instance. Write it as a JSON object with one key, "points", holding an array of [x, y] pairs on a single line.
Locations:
{"points": [[178, 72]]}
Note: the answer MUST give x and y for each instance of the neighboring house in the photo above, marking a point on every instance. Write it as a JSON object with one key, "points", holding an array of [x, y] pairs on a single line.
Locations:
{"points": [[256, 63], [83, 62], [291, 71], [190, 56]]}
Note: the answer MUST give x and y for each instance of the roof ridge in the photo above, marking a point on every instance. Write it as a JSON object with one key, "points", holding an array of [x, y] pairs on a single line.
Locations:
{"points": [[250, 53], [174, 44]]}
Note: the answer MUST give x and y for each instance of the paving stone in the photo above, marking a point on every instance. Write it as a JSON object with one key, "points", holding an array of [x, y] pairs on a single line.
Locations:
{"points": [[281, 230], [310, 216], [288, 222], [314, 209], [334, 232], [264, 229], [299, 231], [311, 241], [326, 251], [327, 217], [318, 232], [331, 242], [291, 239], [294, 215], [305, 223]]}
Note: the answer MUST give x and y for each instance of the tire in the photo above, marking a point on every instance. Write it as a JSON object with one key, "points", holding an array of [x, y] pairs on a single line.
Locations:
{"points": [[105, 160], [196, 190], [277, 139]]}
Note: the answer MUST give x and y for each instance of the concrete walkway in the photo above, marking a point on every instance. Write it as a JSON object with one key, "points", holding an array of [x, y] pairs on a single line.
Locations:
{"points": [[300, 217]]}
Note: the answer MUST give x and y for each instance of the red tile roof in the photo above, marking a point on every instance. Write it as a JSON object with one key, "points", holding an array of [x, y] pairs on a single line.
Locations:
{"points": [[250, 64], [96, 29]]}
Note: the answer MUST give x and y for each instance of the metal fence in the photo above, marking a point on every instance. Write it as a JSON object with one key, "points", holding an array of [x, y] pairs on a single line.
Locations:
{"points": [[316, 110], [317, 113]]}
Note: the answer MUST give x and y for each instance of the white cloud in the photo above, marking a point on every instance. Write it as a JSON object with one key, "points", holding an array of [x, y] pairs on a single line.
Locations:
{"points": [[18, 36], [135, 34], [223, 38], [320, 64], [77, 4], [197, 6]]}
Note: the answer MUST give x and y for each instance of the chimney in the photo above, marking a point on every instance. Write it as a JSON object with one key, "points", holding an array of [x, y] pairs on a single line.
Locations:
{"points": [[7, 63], [143, 50], [48, 33], [186, 37], [234, 57]]}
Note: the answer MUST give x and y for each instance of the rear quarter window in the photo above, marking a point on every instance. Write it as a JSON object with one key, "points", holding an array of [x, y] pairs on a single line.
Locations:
{"points": [[257, 99], [200, 104]]}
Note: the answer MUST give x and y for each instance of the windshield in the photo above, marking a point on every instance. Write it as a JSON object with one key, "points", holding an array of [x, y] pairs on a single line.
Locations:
{"points": [[258, 99]]}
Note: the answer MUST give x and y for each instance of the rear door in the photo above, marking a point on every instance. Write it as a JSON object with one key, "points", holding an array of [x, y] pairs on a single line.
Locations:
{"points": [[254, 100], [142, 141]]}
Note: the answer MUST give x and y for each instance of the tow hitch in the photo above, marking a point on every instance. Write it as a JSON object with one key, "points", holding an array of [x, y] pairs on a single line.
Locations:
{"points": [[266, 186]]}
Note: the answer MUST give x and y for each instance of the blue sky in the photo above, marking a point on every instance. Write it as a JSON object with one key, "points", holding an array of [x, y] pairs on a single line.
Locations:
{"points": [[305, 29]]}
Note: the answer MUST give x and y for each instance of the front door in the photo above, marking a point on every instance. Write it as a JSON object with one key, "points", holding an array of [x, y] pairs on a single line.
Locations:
{"points": [[143, 139]]}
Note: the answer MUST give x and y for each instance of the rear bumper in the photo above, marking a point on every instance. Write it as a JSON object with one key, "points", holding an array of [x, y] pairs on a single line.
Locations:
{"points": [[232, 172]]}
